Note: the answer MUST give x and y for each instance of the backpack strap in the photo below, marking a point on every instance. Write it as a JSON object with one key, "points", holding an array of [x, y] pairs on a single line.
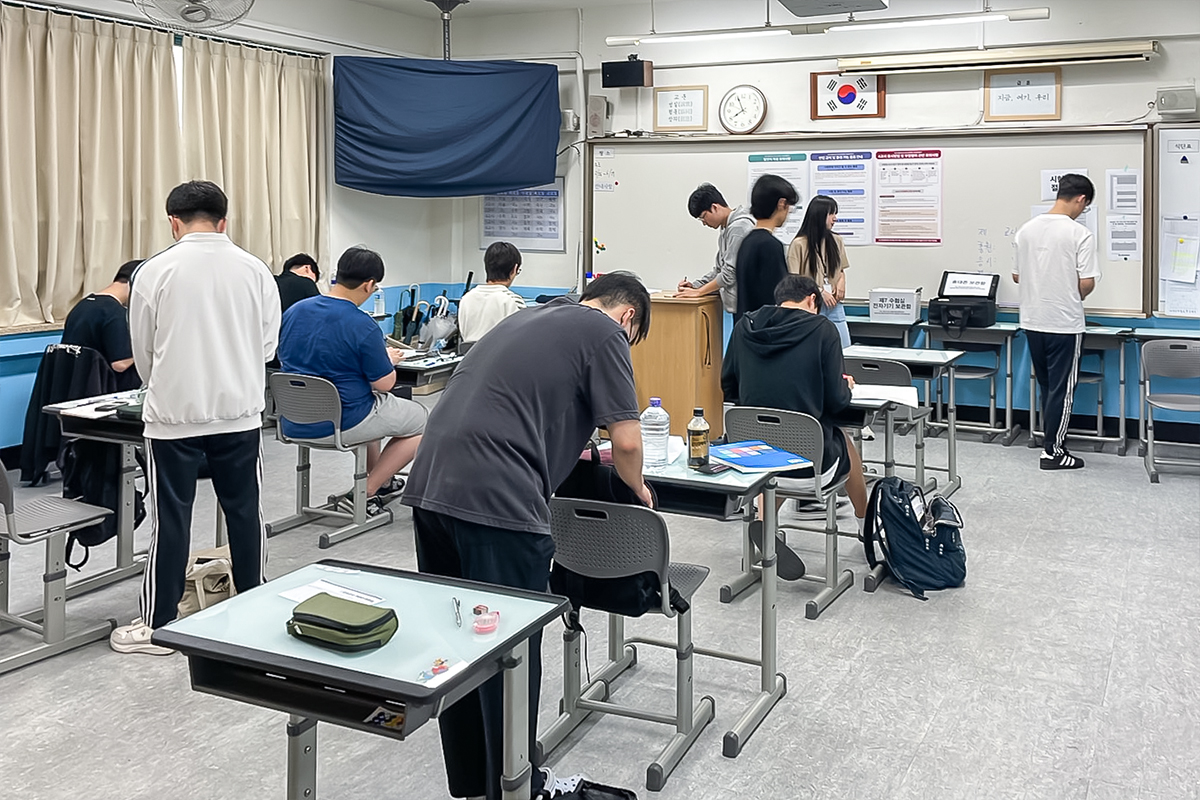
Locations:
{"points": [[869, 534]]}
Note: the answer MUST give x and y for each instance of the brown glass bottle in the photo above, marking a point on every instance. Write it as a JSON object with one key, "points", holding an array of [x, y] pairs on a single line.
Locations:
{"points": [[697, 439]]}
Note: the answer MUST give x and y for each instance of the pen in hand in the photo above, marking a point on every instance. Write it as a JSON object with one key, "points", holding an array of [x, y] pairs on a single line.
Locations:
{"points": [[457, 611]]}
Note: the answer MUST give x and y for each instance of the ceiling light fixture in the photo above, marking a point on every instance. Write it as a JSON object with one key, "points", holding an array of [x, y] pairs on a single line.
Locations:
{"points": [[987, 15], [1014, 15]]}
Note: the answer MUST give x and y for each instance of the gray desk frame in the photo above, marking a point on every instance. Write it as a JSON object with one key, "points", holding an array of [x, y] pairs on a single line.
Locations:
{"points": [[882, 329], [689, 486], [310, 692], [1001, 333], [925, 359], [1104, 339]]}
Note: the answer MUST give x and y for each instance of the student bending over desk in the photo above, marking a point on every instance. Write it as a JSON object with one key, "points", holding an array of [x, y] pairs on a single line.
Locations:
{"points": [[788, 356], [330, 337]]}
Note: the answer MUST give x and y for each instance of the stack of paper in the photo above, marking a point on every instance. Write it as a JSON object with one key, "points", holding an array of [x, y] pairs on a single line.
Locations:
{"points": [[903, 395]]}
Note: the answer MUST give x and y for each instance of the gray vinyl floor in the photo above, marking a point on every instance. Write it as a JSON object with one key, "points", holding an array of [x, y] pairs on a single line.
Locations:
{"points": [[1067, 668]]}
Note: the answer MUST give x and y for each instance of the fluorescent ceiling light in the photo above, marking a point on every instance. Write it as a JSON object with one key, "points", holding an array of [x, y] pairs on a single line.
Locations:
{"points": [[696, 36], [1015, 15]]}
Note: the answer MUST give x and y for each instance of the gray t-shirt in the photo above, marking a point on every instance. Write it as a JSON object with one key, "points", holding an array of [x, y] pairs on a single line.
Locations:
{"points": [[517, 413]]}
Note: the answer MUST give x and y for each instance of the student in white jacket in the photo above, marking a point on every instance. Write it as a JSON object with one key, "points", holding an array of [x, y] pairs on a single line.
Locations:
{"points": [[204, 319], [482, 308]]}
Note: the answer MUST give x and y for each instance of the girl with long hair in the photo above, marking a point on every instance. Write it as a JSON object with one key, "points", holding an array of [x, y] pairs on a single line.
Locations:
{"points": [[818, 253]]}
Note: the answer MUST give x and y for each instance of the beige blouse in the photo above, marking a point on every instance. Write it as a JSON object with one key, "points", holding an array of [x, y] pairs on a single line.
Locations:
{"points": [[797, 259]]}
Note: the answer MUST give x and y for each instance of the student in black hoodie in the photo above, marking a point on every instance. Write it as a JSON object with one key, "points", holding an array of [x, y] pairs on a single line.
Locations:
{"points": [[788, 356]]}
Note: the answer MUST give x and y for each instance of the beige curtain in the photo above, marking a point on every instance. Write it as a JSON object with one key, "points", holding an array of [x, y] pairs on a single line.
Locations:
{"points": [[88, 151], [255, 123]]}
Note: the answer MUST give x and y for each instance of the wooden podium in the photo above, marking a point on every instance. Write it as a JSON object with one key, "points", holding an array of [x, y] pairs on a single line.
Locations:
{"points": [[680, 361]]}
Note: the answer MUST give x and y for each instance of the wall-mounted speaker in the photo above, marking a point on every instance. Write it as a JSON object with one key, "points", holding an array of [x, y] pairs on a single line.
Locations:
{"points": [[633, 72], [1176, 101]]}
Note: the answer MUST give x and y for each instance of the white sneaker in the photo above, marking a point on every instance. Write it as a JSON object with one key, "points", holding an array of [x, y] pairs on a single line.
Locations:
{"points": [[868, 435], [135, 638]]}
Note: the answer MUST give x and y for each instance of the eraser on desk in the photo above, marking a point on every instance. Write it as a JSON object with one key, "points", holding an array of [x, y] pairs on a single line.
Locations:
{"points": [[487, 622]]}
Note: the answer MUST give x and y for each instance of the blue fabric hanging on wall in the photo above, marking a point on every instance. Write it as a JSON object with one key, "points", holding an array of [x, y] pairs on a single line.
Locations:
{"points": [[420, 128]]}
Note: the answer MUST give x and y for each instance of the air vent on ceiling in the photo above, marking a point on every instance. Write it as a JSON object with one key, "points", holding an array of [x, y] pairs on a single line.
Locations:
{"points": [[820, 8]]}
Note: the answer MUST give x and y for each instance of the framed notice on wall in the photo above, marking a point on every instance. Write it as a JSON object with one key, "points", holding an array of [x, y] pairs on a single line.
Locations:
{"points": [[531, 219], [681, 108], [1022, 95]]}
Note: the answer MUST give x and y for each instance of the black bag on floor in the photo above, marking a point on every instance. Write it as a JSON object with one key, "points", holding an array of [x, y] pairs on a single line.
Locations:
{"points": [[920, 543], [587, 790], [965, 300]]}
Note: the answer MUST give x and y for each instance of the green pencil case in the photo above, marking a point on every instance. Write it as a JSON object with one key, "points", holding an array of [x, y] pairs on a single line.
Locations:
{"points": [[344, 625]]}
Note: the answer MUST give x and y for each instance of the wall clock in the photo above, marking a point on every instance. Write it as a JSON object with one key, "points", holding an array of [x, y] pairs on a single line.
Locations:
{"points": [[743, 109]]}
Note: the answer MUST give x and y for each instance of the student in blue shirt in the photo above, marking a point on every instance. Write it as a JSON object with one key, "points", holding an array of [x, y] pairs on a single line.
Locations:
{"points": [[330, 337]]}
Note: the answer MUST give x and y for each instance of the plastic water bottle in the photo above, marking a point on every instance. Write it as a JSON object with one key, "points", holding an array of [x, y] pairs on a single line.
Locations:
{"points": [[656, 429], [379, 304]]}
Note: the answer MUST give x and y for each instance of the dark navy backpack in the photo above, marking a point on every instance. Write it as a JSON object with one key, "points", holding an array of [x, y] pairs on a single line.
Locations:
{"points": [[921, 543]]}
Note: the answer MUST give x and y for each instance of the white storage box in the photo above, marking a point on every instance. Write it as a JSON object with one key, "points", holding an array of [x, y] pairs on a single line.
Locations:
{"points": [[895, 305]]}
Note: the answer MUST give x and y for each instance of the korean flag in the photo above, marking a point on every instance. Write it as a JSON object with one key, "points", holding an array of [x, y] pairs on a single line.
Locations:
{"points": [[846, 96]]}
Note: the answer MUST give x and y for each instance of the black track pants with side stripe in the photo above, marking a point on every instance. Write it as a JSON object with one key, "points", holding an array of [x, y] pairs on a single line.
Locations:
{"points": [[1055, 358], [235, 460]]}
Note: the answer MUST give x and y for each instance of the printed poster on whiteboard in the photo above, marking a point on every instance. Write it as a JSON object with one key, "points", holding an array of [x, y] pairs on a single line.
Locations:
{"points": [[848, 177], [908, 197], [793, 167], [531, 219]]}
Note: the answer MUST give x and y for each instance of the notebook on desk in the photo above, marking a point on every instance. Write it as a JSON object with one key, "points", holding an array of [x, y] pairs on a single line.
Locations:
{"points": [[756, 456]]}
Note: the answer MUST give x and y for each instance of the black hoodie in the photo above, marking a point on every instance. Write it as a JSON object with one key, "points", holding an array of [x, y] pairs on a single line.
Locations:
{"points": [[789, 359]]}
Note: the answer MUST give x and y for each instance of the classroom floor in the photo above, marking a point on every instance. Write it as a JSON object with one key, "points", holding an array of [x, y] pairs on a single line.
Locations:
{"points": [[1067, 668]]}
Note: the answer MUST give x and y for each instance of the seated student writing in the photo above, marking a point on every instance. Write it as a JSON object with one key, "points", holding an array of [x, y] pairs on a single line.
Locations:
{"points": [[330, 337], [761, 259], [788, 356], [482, 308], [101, 321]]}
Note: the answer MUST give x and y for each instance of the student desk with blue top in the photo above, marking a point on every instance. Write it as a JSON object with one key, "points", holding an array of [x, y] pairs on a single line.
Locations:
{"points": [[240, 649], [999, 334]]}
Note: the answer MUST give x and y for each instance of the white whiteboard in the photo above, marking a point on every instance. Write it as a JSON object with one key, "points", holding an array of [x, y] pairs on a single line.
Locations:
{"points": [[991, 181]]}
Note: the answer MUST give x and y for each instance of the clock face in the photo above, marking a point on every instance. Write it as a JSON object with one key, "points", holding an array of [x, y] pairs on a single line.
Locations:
{"points": [[743, 109]]}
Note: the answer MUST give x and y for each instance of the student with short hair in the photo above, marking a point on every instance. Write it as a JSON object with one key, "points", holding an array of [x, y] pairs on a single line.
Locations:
{"points": [[788, 356], [762, 261], [1055, 267], [298, 280], [330, 337], [482, 308], [101, 321], [508, 429], [819, 253], [204, 319], [708, 205]]}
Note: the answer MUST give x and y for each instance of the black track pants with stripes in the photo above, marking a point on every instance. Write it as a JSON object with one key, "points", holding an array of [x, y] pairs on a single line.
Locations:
{"points": [[1055, 358], [235, 460]]}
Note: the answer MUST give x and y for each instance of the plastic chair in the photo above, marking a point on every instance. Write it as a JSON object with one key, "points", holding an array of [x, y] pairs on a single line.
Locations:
{"points": [[800, 434], [1167, 358], [48, 519], [305, 399], [893, 373], [607, 540]]}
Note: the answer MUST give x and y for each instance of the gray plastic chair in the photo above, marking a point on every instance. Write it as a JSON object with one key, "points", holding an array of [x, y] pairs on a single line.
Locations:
{"points": [[904, 418], [800, 434], [1167, 358], [48, 519], [974, 372], [607, 540], [305, 399]]}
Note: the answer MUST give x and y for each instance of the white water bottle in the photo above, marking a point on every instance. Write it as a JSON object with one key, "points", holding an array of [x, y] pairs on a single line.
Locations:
{"points": [[656, 430], [379, 305]]}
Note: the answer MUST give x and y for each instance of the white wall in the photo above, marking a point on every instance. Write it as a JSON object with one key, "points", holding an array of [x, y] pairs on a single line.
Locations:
{"points": [[781, 67]]}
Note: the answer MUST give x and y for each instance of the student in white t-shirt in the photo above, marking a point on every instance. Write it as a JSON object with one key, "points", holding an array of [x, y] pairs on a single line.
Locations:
{"points": [[482, 308], [1056, 268]]}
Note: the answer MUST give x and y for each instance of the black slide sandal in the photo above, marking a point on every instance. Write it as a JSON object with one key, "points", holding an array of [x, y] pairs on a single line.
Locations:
{"points": [[791, 567]]}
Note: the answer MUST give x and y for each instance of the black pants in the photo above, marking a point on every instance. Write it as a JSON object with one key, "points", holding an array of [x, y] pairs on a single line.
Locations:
{"points": [[235, 460], [473, 728], [1055, 358]]}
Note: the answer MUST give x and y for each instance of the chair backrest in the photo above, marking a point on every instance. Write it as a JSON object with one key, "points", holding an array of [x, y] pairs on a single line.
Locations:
{"points": [[464, 347], [6, 494], [879, 373], [792, 431], [306, 400], [1171, 358], [609, 540]]}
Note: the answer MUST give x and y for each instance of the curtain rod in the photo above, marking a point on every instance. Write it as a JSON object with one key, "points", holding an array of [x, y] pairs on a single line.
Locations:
{"points": [[73, 11]]}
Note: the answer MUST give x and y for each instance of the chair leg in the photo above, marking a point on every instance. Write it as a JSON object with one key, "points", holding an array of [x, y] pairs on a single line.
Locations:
{"points": [[54, 590], [5, 555], [1151, 467], [360, 523], [919, 453], [689, 721], [835, 582]]}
